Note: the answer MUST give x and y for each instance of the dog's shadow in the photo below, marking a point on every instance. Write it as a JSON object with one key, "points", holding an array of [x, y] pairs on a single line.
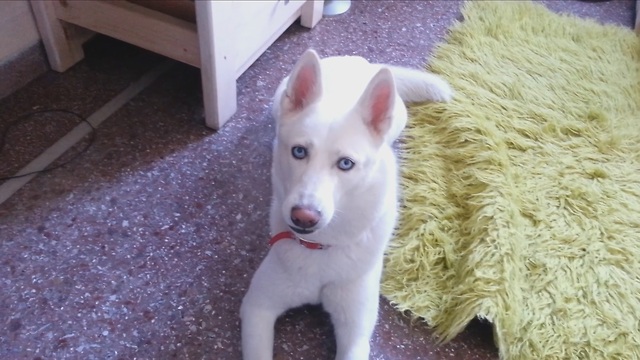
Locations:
{"points": [[304, 333]]}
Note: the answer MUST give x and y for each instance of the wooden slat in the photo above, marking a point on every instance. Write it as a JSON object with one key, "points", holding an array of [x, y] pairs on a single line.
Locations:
{"points": [[182, 9], [137, 25]]}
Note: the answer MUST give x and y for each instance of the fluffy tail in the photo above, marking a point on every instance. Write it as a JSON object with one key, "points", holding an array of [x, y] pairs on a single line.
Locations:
{"points": [[417, 86]]}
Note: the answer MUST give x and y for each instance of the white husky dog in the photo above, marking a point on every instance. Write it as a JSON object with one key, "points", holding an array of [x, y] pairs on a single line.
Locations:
{"points": [[334, 200]]}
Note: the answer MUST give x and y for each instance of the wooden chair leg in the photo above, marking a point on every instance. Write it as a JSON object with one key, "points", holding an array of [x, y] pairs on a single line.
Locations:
{"points": [[312, 13], [62, 41], [216, 62]]}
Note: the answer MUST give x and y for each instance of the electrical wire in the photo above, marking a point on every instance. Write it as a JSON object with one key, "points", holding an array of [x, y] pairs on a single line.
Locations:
{"points": [[24, 117]]}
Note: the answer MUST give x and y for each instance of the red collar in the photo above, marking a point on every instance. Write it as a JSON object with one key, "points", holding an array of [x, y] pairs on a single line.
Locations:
{"points": [[290, 235]]}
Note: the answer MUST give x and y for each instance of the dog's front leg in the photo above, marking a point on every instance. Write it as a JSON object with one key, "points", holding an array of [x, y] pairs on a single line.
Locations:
{"points": [[257, 332], [260, 308], [354, 309]]}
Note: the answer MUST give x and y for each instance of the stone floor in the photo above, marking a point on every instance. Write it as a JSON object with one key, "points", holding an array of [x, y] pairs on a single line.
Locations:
{"points": [[142, 247]]}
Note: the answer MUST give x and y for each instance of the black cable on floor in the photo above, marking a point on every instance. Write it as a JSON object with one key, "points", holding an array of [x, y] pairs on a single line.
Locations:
{"points": [[24, 117]]}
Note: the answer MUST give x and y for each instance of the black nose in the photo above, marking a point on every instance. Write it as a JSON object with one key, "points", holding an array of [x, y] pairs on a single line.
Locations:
{"points": [[305, 217]]}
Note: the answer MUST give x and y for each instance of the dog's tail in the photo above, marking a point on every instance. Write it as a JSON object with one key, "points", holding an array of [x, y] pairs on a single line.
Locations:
{"points": [[417, 86]]}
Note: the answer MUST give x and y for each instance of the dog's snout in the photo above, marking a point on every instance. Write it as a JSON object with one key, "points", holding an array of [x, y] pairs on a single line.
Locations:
{"points": [[305, 217]]}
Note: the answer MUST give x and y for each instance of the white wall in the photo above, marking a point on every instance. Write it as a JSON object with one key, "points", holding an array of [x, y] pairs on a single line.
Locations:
{"points": [[18, 29]]}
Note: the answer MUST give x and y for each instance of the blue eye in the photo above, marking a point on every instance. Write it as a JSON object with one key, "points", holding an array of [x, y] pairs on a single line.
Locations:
{"points": [[345, 164], [299, 152]]}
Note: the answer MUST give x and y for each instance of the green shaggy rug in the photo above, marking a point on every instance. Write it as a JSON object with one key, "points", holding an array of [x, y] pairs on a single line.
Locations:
{"points": [[521, 198]]}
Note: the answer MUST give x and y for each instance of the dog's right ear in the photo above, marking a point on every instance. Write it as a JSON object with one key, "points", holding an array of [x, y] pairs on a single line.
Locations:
{"points": [[304, 86]]}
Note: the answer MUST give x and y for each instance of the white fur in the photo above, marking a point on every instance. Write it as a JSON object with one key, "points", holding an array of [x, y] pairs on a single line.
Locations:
{"points": [[335, 107]]}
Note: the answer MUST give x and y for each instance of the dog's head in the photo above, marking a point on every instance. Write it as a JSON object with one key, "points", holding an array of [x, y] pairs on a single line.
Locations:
{"points": [[327, 151]]}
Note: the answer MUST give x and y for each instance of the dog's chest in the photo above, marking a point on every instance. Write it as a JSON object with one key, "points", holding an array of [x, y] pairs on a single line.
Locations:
{"points": [[330, 265]]}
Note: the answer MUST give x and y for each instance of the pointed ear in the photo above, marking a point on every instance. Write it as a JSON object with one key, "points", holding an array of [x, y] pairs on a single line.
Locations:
{"points": [[304, 86], [377, 102]]}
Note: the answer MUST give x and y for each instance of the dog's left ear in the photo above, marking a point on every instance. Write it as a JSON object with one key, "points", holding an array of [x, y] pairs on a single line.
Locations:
{"points": [[377, 102]]}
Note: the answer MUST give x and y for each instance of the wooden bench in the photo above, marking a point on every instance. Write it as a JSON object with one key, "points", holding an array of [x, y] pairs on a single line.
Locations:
{"points": [[222, 38]]}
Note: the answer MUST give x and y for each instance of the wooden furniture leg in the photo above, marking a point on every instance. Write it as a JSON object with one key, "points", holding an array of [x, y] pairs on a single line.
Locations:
{"points": [[217, 69], [62, 41], [312, 13]]}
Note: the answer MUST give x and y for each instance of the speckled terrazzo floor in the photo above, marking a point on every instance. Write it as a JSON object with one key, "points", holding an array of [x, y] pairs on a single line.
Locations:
{"points": [[143, 247]]}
